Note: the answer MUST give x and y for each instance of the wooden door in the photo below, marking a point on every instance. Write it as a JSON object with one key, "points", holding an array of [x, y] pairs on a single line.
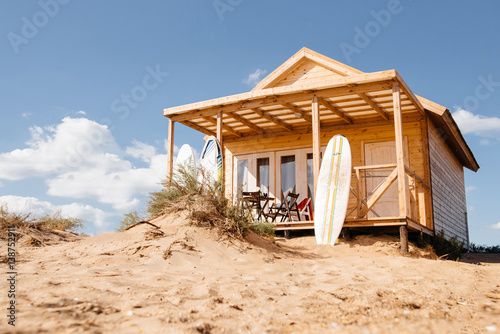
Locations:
{"points": [[381, 153]]}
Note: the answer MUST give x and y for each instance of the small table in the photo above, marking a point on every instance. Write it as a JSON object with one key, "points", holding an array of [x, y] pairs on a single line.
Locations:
{"points": [[257, 201]]}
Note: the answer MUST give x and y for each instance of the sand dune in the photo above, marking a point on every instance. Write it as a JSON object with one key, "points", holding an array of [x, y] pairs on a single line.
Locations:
{"points": [[180, 278]]}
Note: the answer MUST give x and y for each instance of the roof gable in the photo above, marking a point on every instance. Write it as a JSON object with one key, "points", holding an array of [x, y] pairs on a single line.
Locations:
{"points": [[306, 66]]}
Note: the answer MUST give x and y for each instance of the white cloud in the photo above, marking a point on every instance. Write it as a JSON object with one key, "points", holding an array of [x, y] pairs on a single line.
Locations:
{"points": [[141, 151], [26, 115], [81, 112], [38, 208], [496, 226], [119, 188], [255, 77], [479, 125], [80, 159], [74, 143]]}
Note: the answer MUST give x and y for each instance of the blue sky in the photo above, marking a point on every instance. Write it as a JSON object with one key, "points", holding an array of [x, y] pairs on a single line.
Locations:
{"points": [[83, 85]]}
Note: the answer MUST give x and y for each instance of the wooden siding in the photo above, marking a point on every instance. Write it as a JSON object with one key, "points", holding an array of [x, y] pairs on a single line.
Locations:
{"points": [[412, 132], [448, 188]]}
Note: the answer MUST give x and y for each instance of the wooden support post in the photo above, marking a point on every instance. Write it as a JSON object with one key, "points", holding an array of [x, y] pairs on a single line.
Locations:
{"points": [[170, 153], [403, 235], [427, 192], [219, 127], [316, 141], [360, 196], [403, 189], [219, 138]]}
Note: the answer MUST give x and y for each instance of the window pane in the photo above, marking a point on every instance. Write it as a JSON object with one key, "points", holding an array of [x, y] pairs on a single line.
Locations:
{"points": [[242, 176], [263, 175], [287, 174]]}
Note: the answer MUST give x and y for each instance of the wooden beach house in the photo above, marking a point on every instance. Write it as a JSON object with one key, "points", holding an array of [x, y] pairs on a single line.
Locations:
{"points": [[408, 154]]}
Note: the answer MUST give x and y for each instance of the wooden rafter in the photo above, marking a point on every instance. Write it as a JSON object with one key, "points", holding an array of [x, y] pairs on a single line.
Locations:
{"points": [[270, 100], [246, 122], [225, 127], [297, 110], [406, 89], [198, 128], [272, 119], [375, 107], [331, 87], [335, 109]]}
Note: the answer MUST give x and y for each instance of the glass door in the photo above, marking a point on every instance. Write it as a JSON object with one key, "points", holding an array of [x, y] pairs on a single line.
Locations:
{"points": [[254, 172]]}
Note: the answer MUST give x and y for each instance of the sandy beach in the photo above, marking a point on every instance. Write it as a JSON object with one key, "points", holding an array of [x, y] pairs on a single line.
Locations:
{"points": [[179, 278]]}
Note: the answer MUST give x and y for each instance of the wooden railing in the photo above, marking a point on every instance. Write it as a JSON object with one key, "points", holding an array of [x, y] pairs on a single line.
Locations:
{"points": [[418, 205]]}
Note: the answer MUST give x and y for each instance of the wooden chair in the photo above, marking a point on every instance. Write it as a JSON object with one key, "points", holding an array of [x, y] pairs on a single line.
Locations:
{"points": [[286, 210], [305, 209]]}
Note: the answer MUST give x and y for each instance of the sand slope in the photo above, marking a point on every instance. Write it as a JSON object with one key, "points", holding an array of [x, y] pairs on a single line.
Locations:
{"points": [[180, 278]]}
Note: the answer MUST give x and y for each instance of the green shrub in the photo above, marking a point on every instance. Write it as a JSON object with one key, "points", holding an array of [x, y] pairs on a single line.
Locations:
{"points": [[263, 228], [450, 249], [129, 219], [483, 249]]}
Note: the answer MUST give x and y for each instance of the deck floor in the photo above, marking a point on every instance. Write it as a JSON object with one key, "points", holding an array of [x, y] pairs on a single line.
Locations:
{"points": [[359, 223]]}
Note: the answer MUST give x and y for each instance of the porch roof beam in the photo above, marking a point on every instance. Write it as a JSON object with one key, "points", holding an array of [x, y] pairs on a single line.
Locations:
{"points": [[297, 110], [273, 100], [246, 122], [198, 128], [272, 119], [338, 86], [334, 109], [225, 127], [375, 107]]}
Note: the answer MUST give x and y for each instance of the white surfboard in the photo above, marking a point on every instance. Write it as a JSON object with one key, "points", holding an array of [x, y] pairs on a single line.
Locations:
{"points": [[211, 162], [332, 192], [186, 158]]}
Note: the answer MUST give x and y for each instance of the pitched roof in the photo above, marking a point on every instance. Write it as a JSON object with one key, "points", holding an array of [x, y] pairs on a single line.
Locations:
{"points": [[302, 65], [281, 103], [443, 120]]}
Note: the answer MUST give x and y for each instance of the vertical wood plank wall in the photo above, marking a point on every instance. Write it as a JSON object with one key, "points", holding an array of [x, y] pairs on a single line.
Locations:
{"points": [[448, 188], [412, 131]]}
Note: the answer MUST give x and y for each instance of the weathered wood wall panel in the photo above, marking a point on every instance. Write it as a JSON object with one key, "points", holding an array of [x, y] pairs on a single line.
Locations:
{"points": [[448, 188]]}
